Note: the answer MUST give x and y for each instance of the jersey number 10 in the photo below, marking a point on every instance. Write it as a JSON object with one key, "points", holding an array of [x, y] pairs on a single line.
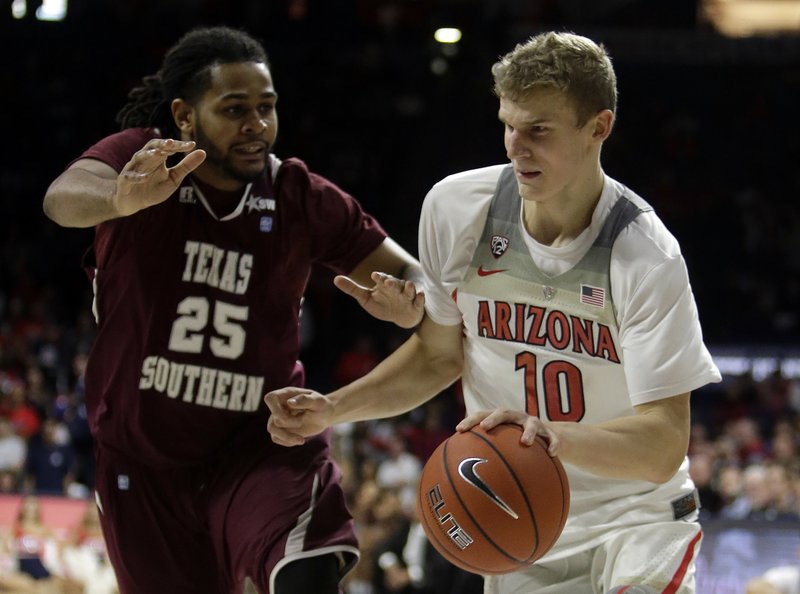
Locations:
{"points": [[562, 385]]}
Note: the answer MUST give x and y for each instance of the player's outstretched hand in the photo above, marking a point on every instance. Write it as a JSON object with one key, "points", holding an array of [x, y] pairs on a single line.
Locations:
{"points": [[146, 180], [391, 299], [297, 413], [531, 426]]}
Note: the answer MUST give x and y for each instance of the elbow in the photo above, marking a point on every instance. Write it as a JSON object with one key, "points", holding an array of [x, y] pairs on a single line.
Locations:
{"points": [[51, 211], [47, 207], [666, 466], [662, 474]]}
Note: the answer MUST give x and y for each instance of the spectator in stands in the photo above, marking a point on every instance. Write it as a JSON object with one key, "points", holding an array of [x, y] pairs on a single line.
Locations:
{"points": [[31, 537], [785, 443], [13, 451], [400, 470], [751, 446], [729, 483], [701, 470], [430, 430], [406, 563], [84, 559], [755, 502], [356, 361], [15, 407], [49, 467], [38, 394], [376, 514], [784, 579], [784, 499]]}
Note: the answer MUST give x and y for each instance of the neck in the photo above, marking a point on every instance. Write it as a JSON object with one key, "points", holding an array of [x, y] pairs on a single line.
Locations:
{"points": [[218, 182]]}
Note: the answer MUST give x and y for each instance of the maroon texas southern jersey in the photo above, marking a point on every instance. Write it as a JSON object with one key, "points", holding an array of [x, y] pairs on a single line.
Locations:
{"points": [[198, 315]]}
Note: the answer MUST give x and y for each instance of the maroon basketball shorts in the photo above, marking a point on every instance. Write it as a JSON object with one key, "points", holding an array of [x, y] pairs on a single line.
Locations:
{"points": [[203, 530]]}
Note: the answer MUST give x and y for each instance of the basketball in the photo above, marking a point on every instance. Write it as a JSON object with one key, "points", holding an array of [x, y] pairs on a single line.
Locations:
{"points": [[489, 504]]}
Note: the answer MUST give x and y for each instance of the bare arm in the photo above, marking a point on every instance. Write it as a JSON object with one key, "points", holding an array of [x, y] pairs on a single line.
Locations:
{"points": [[649, 445], [90, 191], [422, 367], [389, 257]]}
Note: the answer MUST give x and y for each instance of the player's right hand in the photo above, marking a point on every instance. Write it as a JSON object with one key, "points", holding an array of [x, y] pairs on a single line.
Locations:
{"points": [[146, 180], [531, 426], [297, 413]]}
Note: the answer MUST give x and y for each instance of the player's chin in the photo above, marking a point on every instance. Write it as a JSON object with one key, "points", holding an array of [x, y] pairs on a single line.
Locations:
{"points": [[249, 172]]}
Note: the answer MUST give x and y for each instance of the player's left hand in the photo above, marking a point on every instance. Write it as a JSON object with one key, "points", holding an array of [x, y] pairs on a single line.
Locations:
{"points": [[531, 426], [391, 299], [296, 414]]}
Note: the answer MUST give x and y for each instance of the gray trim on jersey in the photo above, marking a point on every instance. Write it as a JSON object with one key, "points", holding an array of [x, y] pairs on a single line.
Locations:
{"points": [[230, 216], [505, 207], [593, 268], [274, 165]]}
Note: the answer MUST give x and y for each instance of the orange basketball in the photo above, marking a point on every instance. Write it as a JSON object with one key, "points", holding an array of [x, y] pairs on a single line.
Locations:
{"points": [[489, 504]]}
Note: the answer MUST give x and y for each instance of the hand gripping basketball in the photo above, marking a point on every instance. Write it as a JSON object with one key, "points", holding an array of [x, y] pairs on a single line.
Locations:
{"points": [[489, 504]]}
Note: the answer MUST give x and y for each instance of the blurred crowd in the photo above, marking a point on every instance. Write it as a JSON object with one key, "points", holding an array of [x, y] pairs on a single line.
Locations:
{"points": [[705, 133], [38, 558]]}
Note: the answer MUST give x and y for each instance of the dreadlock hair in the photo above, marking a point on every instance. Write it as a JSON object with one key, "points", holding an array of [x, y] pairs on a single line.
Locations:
{"points": [[186, 73]]}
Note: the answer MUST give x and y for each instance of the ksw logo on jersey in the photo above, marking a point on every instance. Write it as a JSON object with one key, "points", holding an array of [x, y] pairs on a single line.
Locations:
{"points": [[499, 245], [259, 204]]}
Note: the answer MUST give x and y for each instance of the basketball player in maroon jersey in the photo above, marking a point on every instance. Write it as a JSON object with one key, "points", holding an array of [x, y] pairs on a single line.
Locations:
{"points": [[203, 246]]}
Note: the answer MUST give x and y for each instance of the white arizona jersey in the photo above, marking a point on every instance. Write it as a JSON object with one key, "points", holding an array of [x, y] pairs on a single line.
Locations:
{"points": [[581, 333]]}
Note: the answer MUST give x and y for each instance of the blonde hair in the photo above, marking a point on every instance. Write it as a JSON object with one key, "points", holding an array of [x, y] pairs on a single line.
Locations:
{"points": [[569, 63]]}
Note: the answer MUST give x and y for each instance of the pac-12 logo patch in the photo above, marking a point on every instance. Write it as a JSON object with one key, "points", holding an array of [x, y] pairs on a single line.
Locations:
{"points": [[499, 245], [265, 224]]}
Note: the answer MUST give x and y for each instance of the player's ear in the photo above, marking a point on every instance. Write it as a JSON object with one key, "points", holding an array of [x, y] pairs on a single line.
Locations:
{"points": [[602, 123], [183, 114]]}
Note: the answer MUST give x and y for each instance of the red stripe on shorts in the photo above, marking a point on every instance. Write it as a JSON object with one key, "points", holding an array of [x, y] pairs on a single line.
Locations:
{"points": [[677, 579]]}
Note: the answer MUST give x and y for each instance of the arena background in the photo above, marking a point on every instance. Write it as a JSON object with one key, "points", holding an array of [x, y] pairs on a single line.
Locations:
{"points": [[707, 132]]}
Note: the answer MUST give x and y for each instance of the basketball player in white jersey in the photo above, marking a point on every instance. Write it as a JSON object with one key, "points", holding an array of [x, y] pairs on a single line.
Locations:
{"points": [[564, 304]]}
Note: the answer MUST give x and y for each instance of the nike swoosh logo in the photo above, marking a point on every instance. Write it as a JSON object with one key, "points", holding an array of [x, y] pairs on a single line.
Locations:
{"points": [[466, 469], [483, 272]]}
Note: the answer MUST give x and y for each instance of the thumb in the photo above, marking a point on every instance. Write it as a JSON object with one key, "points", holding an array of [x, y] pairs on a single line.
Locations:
{"points": [[349, 286], [188, 164]]}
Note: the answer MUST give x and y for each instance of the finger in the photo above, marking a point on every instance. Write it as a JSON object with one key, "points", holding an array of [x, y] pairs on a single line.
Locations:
{"points": [[304, 402], [492, 420], [145, 161], [135, 177], [552, 442], [552, 446], [283, 437], [531, 430], [276, 400], [387, 280], [470, 421], [188, 164], [170, 146], [409, 289]]}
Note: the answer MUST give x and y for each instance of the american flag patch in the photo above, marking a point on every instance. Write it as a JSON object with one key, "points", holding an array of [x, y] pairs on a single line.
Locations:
{"points": [[593, 296]]}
